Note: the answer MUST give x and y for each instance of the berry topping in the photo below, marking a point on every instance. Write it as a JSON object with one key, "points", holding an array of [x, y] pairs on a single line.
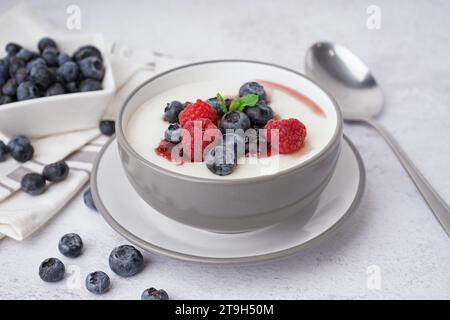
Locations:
{"points": [[235, 142], [234, 120], [252, 88], [173, 133], [260, 114], [172, 110], [196, 111], [291, 133], [221, 160], [214, 102], [196, 136]]}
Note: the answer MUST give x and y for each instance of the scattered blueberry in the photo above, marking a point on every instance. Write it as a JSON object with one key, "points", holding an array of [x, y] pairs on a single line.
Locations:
{"points": [[14, 65], [69, 71], [52, 270], [97, 282], [56, 172], [213, 102], [63, 58], [50, 56], [71, 245], [154, 294], [6, 100], [107, 127], [260, 114], [4, 151], [26, 55], [221, 160], [126, 261], [12, 48], [45, 43], [72, 87], [21, 75], [42, 76], [33, 184], [92, 68], [172, 110], [252, 88], [234, 120], [10, 88], [20, 148], [55, 89], [90, 85], [173, 133], [85, 52], [27, 90], [39, 61], [88, 200]]}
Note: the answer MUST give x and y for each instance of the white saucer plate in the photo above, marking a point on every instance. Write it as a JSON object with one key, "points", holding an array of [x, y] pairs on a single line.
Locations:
{"points": [[145, 227]]}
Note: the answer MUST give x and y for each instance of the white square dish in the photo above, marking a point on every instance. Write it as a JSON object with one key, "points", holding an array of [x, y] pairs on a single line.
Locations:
{"points": [[62, 113]]}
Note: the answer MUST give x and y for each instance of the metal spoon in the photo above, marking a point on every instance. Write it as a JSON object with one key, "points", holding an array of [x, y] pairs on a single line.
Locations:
{"points": [[356, 91]]}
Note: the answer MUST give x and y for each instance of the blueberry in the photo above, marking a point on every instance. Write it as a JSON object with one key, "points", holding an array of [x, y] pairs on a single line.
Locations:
{"points": [[173, 133], [69, 71], [63, 58], [234, 120], [35, 62], [90, 85], [20, 148], [107, 127], [88, 200], [6, 100], [50, 56], [56, 172], [72, 87], [172, 110], [55, 89], [234, 142], [4, 69], [10, 88], [85, 52], [27, 90], [154, 294], [252, 88], [21, 75], [126, 261], [26, 55], [260, 114], [33, 184], [92, 68], [4, 151], [52, 270], [45, 43], [42, 76], [98, 282], [221, 160], [70, 245], [14, 65], [213, 102], [12, 48]]}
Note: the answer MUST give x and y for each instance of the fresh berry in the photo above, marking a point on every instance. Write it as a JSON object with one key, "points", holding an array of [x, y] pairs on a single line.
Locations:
{"points": [[252, 88], [126, 261], [45, 43], [4, 71], [196, 136], [56, 172], [90, 85], [260, 114], [198, 110], [233, 121], [221, 160], [85, 52], [70, 245], [27, 90], [50, 56], [107, 127], [26, 55], [20, 148], [98, 282], [88, 200], [4, 151], [291, 132], [52, 270], [92, 68], [12, 48], [68, 72], [6, 100], [14, 65], [173, 133], [154, 294], [172, 110], [39, 61], [256, 143], [63, 58], [214, 102], [55, 89], [10, 88], [42, 76], [72, 87], [234, 142], [33, 184], [21, 75]]}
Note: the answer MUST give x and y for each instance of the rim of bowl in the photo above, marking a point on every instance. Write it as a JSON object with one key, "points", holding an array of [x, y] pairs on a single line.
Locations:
{"points": [[123, 142]]}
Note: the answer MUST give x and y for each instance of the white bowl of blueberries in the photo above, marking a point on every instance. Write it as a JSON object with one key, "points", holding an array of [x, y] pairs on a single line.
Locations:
{"points": [[54, 86]]}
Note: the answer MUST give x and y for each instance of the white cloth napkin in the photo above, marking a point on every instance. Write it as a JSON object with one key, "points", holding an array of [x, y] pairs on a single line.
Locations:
{"points": [[22, 214]]}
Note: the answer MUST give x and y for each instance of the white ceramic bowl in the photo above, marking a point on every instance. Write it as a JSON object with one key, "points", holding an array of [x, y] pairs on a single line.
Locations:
{"points": [[57, 114]]}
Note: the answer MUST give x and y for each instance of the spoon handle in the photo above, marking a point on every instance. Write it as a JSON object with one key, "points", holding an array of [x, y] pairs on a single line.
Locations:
{"points": [[440, 209]]}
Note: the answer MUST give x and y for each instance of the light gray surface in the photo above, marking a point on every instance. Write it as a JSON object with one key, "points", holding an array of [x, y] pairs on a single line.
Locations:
{"points": [[393, 228]]}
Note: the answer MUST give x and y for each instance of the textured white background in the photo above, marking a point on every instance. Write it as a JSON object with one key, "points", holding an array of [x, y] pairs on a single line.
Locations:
{"points": [[393, 228]]}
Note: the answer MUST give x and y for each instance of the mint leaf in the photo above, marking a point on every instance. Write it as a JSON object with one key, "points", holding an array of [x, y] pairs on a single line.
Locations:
{"points": [[235, 105], [223, 106], [249, 100]]}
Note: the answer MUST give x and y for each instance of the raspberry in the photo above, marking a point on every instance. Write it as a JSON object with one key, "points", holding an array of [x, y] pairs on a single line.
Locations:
{"points": [[194, 130], [196, 111], [292, 134]]}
